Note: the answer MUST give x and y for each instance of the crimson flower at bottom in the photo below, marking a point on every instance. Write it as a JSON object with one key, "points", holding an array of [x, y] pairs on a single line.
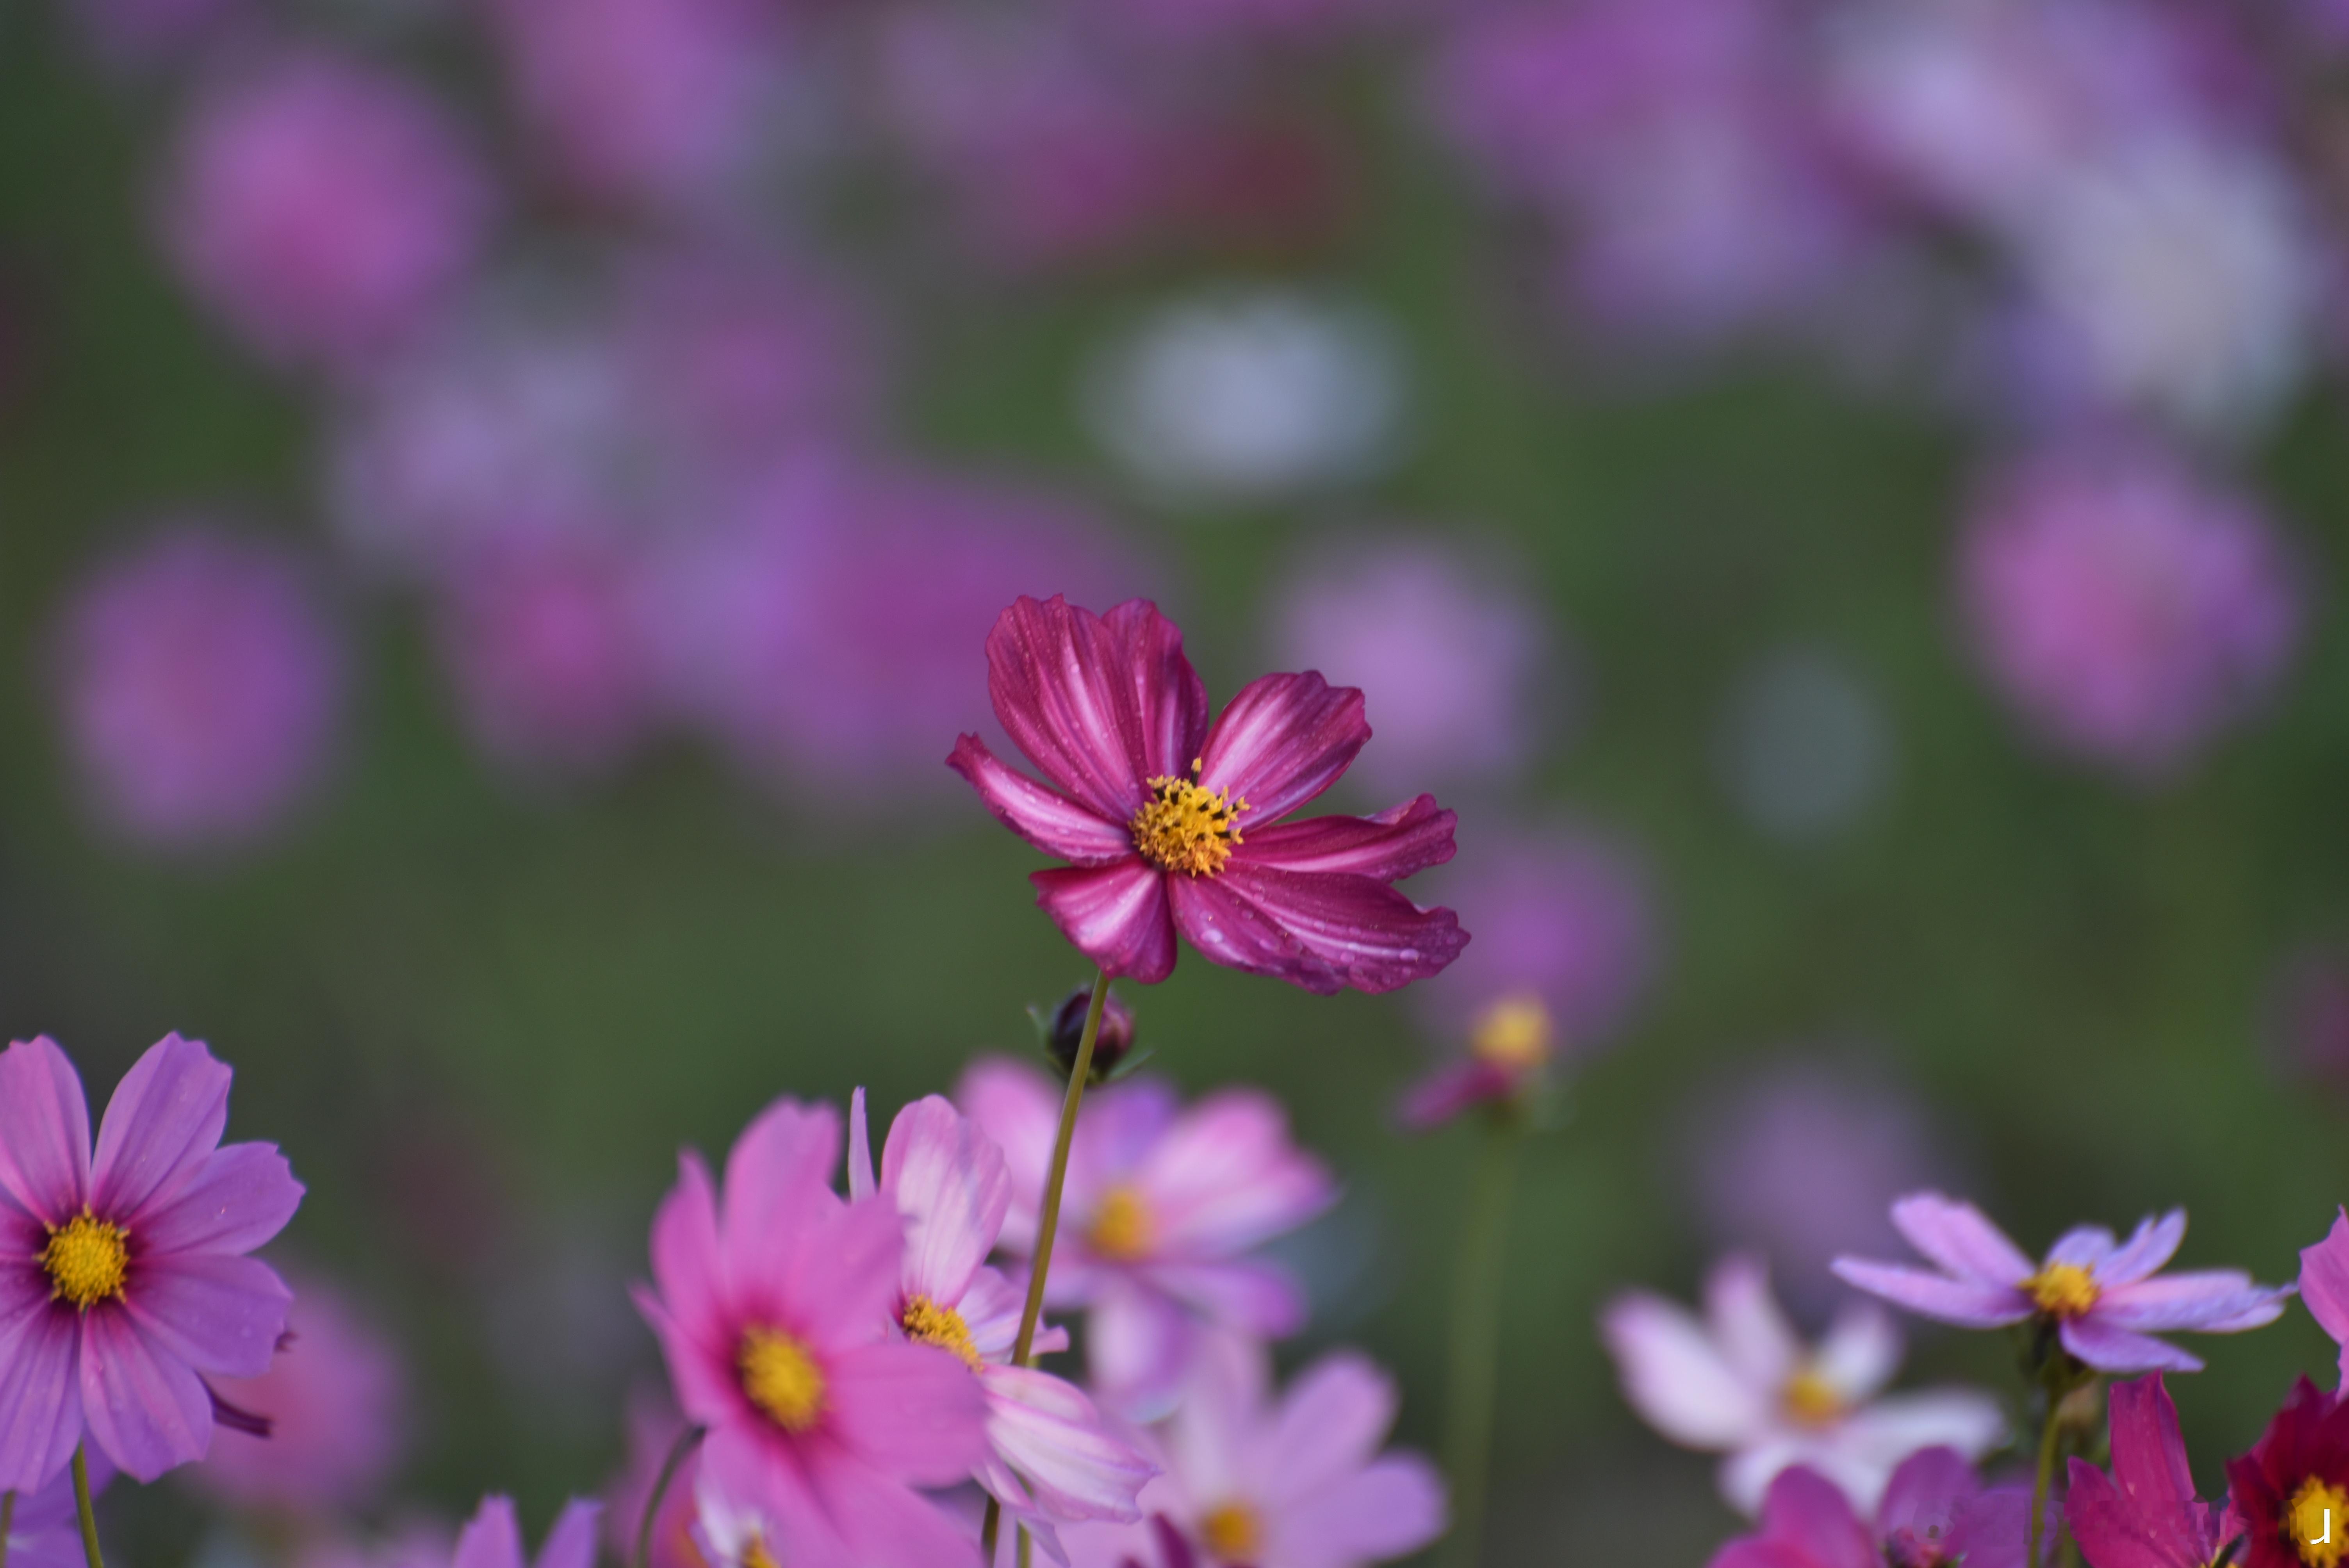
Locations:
{"points": [[1171, 823]]}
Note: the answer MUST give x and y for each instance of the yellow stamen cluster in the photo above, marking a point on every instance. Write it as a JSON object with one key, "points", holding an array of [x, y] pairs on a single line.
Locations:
{"points": [[1187, 827], [2062, 1290], [927, 1323], [756, 1555], [87, 1260], [1122, 1229], [1514, 1034], [1809, 1399], [2318, 1523], [1234, 1532], [781, 1377]]}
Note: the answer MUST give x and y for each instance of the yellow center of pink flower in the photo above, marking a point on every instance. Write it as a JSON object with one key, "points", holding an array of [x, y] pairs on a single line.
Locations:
{"points": [[1514, 1034], [1809, 1399], [781, 1377], [1234, 1532], [1185, 827], [1123, 1230], [756, 1555], [87, 1260], [927, 1323], [2318, 1521], [2062, 1290]]}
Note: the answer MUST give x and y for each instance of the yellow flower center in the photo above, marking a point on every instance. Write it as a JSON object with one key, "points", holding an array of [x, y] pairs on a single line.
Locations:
{"points": [[87, 1260], [1809, 1399], [2064, 1290], [1122, 1230], [1514, 1034], [927, 1323], [1185, 827], [2317, 1522], [1234, 1532], [781, 1377], [756, 1555]]}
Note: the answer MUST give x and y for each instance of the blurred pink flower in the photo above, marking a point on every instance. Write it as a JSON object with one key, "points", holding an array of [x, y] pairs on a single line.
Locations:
{"points": [[45, 1531], [124, 1274], [1935, 1510], [1055, 1459], [2324, 1284], [493, 1538], [1740, 1383], [653, 1428], [1161, 1208], [199, 686], [2129, 609], [323, 208], [334, 1398], [1297, 1482], [772, 1309], [1456, 658]]}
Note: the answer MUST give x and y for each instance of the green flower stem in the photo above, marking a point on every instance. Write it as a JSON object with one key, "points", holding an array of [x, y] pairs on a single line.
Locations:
{"points": [[1476, 1333], [2049, 1441], [687, 1441], [81, 1506], [1048, 1226]]}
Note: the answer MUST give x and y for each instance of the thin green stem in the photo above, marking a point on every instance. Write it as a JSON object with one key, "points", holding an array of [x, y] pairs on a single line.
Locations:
{"points": [[687, 1441], [1477, 1334], [7, 1522], [81, 1506], [2049, 1438], [1048, 1226]]}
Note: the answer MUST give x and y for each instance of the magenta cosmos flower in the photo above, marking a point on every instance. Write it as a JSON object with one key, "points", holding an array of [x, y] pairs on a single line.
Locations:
{"points": [[773, 1307], [1055, 1460], [1172, 824], [1297, 1482], [1160, 1211], [2145, 1513], [123, 1281], [2101, 1296], [1935, 1511]]}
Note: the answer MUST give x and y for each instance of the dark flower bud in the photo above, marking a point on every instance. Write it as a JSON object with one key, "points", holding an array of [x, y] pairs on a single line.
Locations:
{"points": [[1065, 1029]]}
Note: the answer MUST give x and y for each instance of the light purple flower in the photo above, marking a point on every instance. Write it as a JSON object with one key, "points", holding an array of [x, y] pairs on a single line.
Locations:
{"points": [[1456, 656], [2145, 1513], [123, 1282], [1935, 1511], [2102, 1295], [46, 1529], [1740, 1383], [1297, 1482], [334, 1400], [2129, 609], [493, 1538], [1160, 1211], [1055, 1460], [199, 686], [2325, 1285], [322, 208]]}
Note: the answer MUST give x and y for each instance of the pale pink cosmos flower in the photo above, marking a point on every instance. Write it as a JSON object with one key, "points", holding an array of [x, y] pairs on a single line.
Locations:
{"points": [[323, 208], [772, 1306], [123, 1279], [1739, 1382], [2102, 1295], [1055, 1460], [1160, 1212], [335, 1400], [1296, 1480]]}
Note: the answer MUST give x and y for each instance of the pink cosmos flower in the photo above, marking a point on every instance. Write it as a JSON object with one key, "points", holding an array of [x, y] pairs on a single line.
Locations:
{"points": [[1055, 1459], [333, 1401], [772, 1308], [2145, 1513], [1296, 1482], [653, 1428], [493, 1538], [1741, 1382], [2324, 1286], [200, 684], [323, 208], [123, 1281], [1172, 824], [2101, 1296], [1159, 1211], [46, 1529], [1935, 1511]]}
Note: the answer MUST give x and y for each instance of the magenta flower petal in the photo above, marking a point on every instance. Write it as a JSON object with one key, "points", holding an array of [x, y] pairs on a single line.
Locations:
{"points": [[44, 1131], [1960, 1239], [2199, 1299], [1098, 703], [1117, 915], [244, 1194], [1810, 1514], [1387, 846], [789, 1150], [1055, 1438], [884, 1523], [40, 1399], [2324, 1284], [1283, 739], [1045, 817], [491, 1537], [146, 1408], [2110, 1348], [216, 1313], [1931, 1295], [912, 1407], [2154, 1244], [1331, 1420], [836, 1282], [164, 1121], [572, 1543], [1390, 1508], [1322, 932], [686, 1251]]}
